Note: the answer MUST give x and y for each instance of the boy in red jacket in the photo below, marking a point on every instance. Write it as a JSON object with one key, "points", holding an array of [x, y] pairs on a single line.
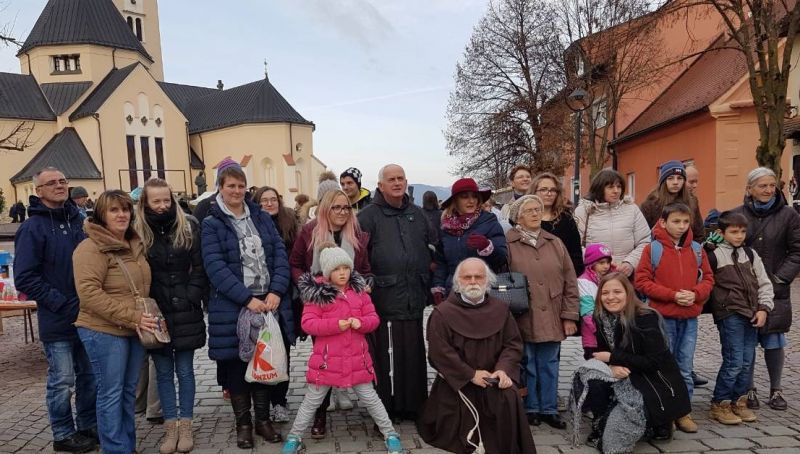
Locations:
{"points": [[677, 280]]}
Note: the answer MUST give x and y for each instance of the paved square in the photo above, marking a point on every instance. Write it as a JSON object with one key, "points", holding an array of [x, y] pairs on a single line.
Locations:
{"points": [[24, 427]]}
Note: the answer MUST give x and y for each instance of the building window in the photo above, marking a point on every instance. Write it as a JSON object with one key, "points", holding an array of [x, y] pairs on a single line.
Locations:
{"points": [[66, 64], [139, 29], [600, 114], [631, 185], [146, 166], [132, 175], [130, 23], [160, 157]]}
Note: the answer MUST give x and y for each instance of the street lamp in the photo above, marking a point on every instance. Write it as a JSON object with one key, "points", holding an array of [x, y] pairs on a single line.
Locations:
{"points": [[578, 101]]}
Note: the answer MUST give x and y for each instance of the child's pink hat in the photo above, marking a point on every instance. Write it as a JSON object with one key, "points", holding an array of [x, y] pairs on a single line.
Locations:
{"points": [[596, 252]]}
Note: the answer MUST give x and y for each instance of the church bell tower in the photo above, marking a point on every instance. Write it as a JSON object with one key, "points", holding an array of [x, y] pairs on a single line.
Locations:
{"points": [[142, 19]]}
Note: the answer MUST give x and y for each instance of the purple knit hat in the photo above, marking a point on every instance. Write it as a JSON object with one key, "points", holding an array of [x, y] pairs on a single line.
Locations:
{"points": [[227, 162], [596, 252]]}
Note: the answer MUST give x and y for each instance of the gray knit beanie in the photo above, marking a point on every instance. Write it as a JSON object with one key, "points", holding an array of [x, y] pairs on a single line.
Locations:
{"points": [[515, 207], [326, 187], [333, 257]]}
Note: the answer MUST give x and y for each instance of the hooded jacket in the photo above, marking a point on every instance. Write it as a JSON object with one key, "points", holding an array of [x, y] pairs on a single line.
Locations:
{"points": [[43, 266], [740, 287], [400, 257], [775, 235], [453, 249], [677, 270], [364, 199], [339, 358], [108, 304], [223, 264], [179, 282], [620, 226]]}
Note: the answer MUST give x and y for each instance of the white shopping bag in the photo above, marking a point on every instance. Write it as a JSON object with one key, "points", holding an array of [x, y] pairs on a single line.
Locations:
{"points": [[268, 364]]}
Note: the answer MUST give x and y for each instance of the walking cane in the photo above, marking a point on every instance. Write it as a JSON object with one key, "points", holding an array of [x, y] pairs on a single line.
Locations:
{"points": [[391, 357]]}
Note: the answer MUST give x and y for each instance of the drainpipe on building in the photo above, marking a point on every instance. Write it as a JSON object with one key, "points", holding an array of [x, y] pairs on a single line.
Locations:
{"points": [[96, 117], [190, 187], [113, 58]]}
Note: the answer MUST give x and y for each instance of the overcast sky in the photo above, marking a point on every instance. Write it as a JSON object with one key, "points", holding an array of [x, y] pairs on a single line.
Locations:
{"points": [[373, 75]]}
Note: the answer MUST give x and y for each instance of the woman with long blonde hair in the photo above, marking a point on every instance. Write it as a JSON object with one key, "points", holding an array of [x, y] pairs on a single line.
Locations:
{"points": [[335, 223], [171, 242]]}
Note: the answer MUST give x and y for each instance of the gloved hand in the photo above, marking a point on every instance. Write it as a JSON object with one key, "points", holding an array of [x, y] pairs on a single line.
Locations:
{"points": [[714, 238], [478, 242]]}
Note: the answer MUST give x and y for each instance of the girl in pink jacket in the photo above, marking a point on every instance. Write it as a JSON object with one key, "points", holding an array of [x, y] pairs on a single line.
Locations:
{"points": [[339, 313]]}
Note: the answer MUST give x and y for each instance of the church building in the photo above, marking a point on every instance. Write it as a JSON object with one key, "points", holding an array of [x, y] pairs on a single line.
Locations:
{"points": [[91, 100]]}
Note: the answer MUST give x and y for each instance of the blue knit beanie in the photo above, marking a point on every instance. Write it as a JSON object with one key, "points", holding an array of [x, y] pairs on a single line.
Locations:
{"points": [[671, 168]]}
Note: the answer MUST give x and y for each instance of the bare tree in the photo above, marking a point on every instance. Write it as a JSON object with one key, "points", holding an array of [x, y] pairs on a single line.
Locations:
{"points": [[500, 85], [18, 138], [6, 30], [758, 28], [611, 49]]}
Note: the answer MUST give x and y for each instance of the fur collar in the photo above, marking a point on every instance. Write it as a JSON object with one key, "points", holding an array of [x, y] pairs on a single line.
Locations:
{"points": [[315, 290]]}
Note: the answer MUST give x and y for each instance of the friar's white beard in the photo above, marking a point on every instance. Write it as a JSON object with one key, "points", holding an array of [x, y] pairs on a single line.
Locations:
{"points": [[474, 292]]}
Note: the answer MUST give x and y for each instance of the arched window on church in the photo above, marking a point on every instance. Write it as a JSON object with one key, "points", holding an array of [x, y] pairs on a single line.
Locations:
{"points": [[139, 29], [130, 24]]}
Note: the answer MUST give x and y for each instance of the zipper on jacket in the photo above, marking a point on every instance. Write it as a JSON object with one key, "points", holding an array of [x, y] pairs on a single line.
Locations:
{"points": [[660, 402]]}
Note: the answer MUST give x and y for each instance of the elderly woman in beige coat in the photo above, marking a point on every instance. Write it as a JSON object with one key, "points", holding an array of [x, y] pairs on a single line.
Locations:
{"points": [[553, 314]]}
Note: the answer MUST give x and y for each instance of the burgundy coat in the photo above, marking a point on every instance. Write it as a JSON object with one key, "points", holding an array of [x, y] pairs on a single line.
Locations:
{"points": [[301, 257]]}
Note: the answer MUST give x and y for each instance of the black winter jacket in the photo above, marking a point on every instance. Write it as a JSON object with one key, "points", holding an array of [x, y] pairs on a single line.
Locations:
{"points": [[775, 236], [399, 241], [654, 371], [566, 230], [179, 283]]}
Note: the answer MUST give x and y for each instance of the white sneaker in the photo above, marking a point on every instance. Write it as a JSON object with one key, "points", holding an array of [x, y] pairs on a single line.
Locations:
{"points": [[343, 399]]}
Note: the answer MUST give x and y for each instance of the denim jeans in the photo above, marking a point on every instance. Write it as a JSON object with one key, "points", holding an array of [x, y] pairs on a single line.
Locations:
{"points": [[170, 363], [116, 362], [541, 371], [68, 367], [682, 338], [738, 339]]}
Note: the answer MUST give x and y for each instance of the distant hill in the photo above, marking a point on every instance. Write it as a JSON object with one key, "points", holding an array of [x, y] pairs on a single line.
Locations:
{"points": [[419, 189]]}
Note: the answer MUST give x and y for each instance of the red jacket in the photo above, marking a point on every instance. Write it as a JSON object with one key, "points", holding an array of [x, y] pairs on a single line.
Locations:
{"points": [[677, 270], [301, 257]]}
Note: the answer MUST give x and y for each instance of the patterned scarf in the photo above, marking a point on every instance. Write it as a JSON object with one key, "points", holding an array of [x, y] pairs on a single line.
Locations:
{"points": [[527, 236], [608, 323], [457, 224]]}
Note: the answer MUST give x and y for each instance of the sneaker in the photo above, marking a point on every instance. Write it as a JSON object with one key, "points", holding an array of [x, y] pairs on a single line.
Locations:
{"points": [[739, 408], [342, 400], [686, 424], [393, 444], [776, 400], [722, 412], [278, 413], [332, 405], [226, 394], [752, 400], [74, 443], [293, 445], [561, 403]]}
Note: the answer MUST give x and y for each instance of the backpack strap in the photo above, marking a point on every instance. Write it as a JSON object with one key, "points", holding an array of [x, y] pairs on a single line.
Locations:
{"points": [[698, 253], [712, 260], [750, 255], [656, 250]]}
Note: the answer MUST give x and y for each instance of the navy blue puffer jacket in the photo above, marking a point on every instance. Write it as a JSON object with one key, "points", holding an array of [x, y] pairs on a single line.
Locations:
{"points": [[453, 249], [229, 295]]}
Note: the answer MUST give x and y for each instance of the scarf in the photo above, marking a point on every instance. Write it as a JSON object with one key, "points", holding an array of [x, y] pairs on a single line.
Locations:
{"points": [[457, 224], [163, 221], [527, 236], [762, 208], [608, 323]]}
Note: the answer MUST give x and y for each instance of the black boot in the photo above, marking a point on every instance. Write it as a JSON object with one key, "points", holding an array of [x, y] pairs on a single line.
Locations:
{"points": [[261, 407], [320, 423], [244, 423]]}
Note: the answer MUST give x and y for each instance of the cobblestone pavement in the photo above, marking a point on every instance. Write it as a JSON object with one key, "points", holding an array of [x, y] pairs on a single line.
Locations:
{"points": [[24, 426]]}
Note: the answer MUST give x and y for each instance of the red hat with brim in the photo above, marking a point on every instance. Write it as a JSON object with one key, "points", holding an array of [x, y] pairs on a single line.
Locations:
{"points": [[466, 185]]}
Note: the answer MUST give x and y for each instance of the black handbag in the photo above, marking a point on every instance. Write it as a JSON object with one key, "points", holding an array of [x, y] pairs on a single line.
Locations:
{"points": [[512, 288]]}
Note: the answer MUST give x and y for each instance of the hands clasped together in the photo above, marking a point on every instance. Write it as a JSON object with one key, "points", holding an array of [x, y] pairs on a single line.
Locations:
{"points": [[617, 371], [351, 322], [484, 379], [270, 304]]}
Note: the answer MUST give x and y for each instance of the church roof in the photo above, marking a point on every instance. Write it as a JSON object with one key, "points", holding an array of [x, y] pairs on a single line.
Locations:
{"points": [[208, 109], [104, 89], [64, 94], [195, 162], [82, 22], [66, 152], [21, 98]]}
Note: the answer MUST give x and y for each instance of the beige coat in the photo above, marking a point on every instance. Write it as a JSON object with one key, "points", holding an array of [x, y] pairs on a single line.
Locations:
{"points": [[107, 304], [552, 282]]}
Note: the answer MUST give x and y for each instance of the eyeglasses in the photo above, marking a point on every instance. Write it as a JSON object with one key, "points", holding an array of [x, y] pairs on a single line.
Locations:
{"points": [[52, 183], [339, 209], [547, 191], [530, 211], [270, 201]]}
